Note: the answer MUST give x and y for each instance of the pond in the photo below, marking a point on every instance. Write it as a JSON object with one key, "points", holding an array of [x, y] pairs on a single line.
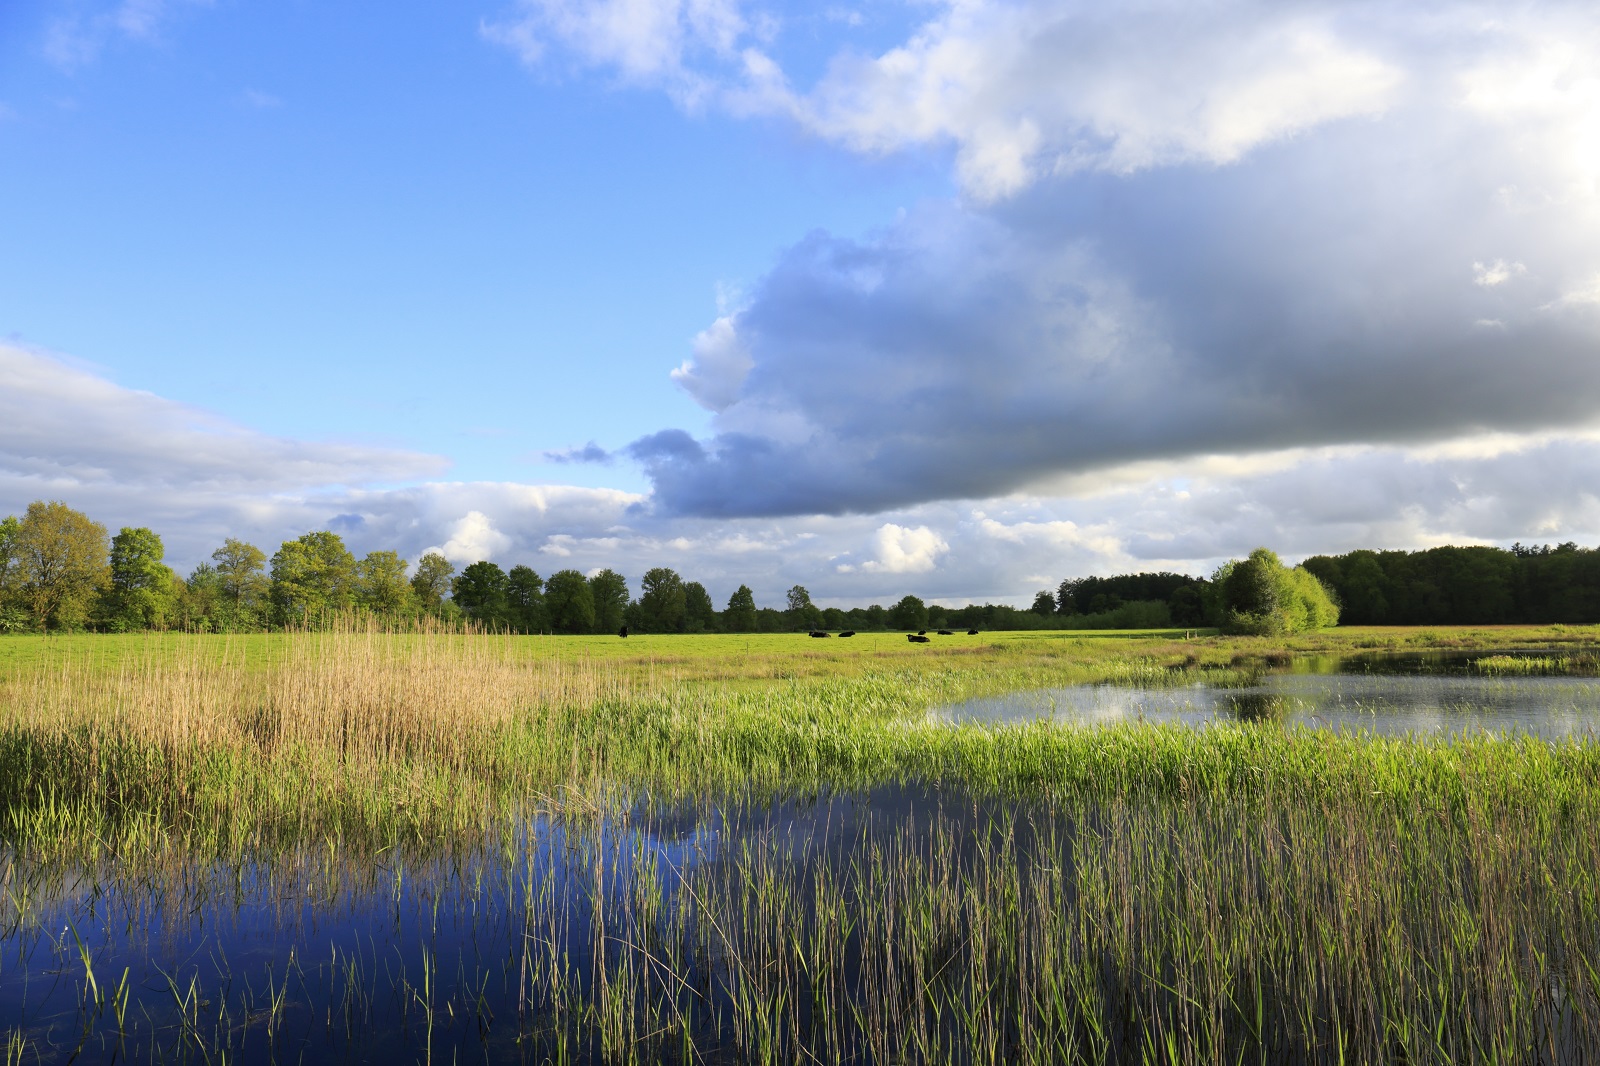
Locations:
{"points": [[1383, 694]]}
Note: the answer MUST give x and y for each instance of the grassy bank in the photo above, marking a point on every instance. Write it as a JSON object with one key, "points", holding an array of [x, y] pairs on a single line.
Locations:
{"points": [[1032, 893], [218, 743]]}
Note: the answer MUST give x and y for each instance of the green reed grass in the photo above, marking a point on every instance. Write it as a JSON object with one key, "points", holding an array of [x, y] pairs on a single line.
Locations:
{"points": [[376, 737], [1581, 664], [1131, 894]]}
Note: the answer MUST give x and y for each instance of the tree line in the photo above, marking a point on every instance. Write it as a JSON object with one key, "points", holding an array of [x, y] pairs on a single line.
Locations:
{"points": [[1465, 586], [1258, 594], [61, 570]]}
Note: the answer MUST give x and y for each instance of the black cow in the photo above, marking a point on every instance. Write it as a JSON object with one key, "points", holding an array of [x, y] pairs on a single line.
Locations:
{"points": [[972, 632], [820, 633], [848, 633], [922, 632], [918, 638], [622, 632], [946, 633]]}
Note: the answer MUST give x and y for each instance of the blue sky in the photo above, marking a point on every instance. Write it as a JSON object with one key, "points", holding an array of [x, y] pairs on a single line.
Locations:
{"points": [[326, 223], [957, 298]]}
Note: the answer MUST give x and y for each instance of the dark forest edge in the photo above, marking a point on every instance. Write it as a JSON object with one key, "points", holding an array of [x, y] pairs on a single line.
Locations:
{"points": [[61, 571]]}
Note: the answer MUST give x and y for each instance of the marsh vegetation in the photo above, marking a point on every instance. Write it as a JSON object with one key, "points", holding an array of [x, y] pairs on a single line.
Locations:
{"points": [[361, 844]]}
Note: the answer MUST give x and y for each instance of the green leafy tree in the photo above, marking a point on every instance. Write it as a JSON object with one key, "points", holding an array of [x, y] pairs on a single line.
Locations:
{"points": [[799, 612], [480, 591], [525, 599], [14, 616], [609, 590], [432, 581], [1186, 606], [1364, 589], [381, 585], [569, 602], [241, 569], [139, 592], [312, 577], [662, 603], [9, 527], [699, 614], [909, 613], [204, 604], [1044, 603], [1262, 596], [740, 617], [60, 560]]}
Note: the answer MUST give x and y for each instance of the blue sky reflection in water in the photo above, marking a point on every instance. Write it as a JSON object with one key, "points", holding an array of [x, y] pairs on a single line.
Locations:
{"points": [[318, 955], [448, 955]]}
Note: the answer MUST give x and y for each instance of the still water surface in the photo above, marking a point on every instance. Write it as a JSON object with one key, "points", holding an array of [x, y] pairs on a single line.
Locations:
{"points": [[1386, 695]]}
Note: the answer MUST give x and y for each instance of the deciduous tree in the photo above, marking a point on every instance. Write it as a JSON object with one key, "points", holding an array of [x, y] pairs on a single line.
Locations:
{"points": [[661, 601], [312, 576], [1262, 596], [609, 590], [480, 591], [740, 617], [699, 615], [800, 612], [568, 602], [14, 616], [60, 556], [139, 594], [909, 613], [381, 585], [241, 569], [525, 599], [432, 580]]}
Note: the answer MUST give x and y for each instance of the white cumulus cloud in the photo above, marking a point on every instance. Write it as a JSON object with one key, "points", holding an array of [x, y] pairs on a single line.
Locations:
{"points": [[905, 551], [718, 369]]}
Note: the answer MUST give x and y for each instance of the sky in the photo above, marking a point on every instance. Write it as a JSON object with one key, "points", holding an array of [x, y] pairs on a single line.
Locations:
{"points": [[945, 297]]}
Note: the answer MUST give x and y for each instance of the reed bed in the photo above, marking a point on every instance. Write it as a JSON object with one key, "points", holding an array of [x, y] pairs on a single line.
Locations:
{"points": [[1582, 664], [213, 744], [910, 925], [500, 849]]}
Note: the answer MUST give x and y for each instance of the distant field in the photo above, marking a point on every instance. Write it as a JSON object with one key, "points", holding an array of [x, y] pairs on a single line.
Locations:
{"points": [[722, 655], [760, 656]]}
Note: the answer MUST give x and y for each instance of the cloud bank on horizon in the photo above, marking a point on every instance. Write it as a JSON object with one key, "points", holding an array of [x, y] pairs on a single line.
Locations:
{"points": [[130, 458], [1182, 231]]}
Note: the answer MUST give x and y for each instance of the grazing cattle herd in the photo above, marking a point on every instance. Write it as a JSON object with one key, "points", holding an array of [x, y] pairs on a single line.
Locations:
{"points": [[919, 637]]}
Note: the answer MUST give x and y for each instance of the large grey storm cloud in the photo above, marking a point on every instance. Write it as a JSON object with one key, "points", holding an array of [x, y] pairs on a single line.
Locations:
{"points": [[1180, 234]]}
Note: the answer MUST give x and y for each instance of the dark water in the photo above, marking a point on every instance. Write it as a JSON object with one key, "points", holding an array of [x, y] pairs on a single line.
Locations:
{"points": [[446, 954], [1380, 693]]}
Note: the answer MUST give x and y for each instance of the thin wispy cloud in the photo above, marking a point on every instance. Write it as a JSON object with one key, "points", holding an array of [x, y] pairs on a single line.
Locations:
{"points": [[587, 453], [77, 38], [261, 101]]}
